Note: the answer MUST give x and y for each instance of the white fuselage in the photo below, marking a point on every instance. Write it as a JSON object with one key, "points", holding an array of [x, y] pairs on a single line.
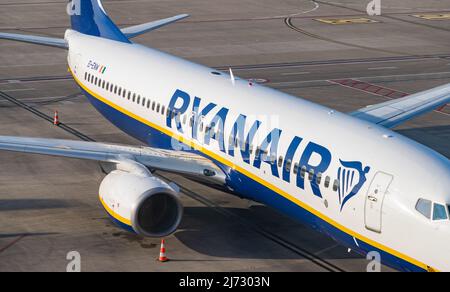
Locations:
{"points": [[381, 214]]}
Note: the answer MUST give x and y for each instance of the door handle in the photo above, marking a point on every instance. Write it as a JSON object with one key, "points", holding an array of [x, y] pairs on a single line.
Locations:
{"points": [[372, 199]]}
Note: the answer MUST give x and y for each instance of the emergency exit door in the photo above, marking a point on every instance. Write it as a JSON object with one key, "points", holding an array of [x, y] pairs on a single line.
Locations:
{"points": [[375, 199]]}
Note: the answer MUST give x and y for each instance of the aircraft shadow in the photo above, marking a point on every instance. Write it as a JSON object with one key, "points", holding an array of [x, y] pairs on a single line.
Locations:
{"points": [[14, 235], [32, 204], [207, 232]]}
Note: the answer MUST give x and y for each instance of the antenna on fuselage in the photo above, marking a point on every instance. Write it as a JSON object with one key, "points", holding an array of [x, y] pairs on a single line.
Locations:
{"points": [[233, 80]]}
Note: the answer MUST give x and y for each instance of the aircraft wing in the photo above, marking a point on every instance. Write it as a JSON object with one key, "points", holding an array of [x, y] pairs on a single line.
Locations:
{"points": [[180, 162], [38, 40], [134, 31], [395, 112]]}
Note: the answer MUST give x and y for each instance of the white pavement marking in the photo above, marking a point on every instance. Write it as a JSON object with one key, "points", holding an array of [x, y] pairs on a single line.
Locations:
{"points": [[392, 77], [31, 65], [330, 64], [16, 90], [295, 73], [383, 68]]}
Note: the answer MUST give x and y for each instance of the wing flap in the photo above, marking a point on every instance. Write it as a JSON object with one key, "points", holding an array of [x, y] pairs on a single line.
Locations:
{"points": [[395, 112], [38, 40], [134, 31]]}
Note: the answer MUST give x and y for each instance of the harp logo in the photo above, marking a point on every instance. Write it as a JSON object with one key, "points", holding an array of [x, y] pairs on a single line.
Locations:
{"points": [[352, 177]]}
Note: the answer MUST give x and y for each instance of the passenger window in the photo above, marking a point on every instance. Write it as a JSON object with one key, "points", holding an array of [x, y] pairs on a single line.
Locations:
{"points": [[296, 168], [103, 84], [143, 101], [258, 150], [134, 97], [424, 208], [153, 106], [115, 89], [439, 212], [288, 165], [163, 110], [138, 99], [157, 108], [319, 178], [327, 182], [85, 75], [311, 175], [124, 93], [303, 172], [336, 185], [148, 103], [120, 91], [107, 86], [280, 161]]}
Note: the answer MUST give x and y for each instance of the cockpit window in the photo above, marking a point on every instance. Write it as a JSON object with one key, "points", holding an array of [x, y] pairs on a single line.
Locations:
{"points": [[439, 212], [424, 208]]}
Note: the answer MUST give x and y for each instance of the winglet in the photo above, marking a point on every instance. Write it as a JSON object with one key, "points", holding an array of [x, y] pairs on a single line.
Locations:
{"points": [[134, 31]]}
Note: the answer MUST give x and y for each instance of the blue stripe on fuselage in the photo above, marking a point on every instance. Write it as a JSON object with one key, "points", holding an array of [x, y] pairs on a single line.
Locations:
{"points": [[247, 186]]}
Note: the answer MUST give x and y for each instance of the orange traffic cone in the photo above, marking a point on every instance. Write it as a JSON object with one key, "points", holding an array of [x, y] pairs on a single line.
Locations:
{"points": [[162, 254], [440, 109], [56, 119]]}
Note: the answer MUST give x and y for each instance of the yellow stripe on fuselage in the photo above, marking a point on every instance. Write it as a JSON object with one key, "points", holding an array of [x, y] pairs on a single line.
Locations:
{"points": [[198, 147]]}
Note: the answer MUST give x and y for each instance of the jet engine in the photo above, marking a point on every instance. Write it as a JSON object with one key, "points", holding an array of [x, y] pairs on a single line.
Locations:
{"points": [[141, 203]]}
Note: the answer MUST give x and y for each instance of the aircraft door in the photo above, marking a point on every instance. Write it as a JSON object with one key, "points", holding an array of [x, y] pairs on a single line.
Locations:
{"points": [[375, 199]]}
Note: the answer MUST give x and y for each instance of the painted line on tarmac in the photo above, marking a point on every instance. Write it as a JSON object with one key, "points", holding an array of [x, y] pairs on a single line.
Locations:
{"points": [[12, 243], [377, 90]]}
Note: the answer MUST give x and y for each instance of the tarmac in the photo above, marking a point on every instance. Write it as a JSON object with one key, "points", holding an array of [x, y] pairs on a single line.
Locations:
{"points": [[49, 206]]}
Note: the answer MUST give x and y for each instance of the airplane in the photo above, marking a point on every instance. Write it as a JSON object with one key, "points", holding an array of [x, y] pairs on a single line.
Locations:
{"points": [[347, 175]]}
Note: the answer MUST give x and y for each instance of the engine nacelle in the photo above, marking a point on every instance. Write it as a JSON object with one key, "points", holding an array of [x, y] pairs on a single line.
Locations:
{"points": [[141, 204]]}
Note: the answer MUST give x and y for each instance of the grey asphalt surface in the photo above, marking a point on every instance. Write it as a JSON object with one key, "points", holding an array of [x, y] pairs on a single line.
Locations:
{"points": [[49, 206]]}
